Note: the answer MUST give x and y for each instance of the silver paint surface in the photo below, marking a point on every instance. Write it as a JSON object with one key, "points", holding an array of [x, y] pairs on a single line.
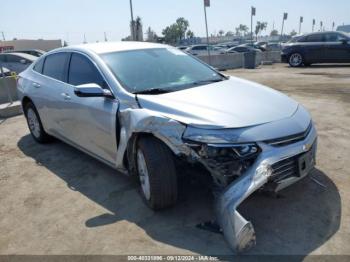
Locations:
{"points": [[235, 110]]}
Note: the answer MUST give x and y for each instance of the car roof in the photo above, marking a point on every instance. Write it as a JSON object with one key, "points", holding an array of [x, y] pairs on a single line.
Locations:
{"points": [[25, 50], [22, 55], [109, 47]]}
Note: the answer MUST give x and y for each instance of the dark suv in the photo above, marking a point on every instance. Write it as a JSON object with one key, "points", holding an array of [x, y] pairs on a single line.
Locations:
{"points": [[322, 47]]}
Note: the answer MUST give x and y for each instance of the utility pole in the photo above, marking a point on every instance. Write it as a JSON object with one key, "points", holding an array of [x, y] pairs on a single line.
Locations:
{"points": [[132, 22], [207, 4], [285, 17], [85, 39], [253, 13], [333, 25], [3, 36], [106, 40], [313, 25], [321, 26], [300, 22]]}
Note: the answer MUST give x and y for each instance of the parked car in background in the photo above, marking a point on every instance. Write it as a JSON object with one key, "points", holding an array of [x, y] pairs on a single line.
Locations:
{"points": [[183, 48], [258, 45], [322, 47], [33, 52], [202, 50], [243, 49], [145, 109], [16, 62], [227, 45], [4, 72], [273, 46]]}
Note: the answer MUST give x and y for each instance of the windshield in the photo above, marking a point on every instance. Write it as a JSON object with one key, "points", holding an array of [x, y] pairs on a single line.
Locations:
{"points": [[162, 69]]}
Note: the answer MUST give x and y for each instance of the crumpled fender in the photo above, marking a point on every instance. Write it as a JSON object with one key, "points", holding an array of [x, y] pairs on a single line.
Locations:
{"points": [[143, 120]]}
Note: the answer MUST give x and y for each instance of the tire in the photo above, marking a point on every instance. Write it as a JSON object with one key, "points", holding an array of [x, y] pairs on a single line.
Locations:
{"points": [[157, 173], [34, 124], [295, 60]]}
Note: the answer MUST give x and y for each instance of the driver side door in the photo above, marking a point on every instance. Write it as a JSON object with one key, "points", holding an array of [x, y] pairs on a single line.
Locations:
{"points": [[89, 122]]}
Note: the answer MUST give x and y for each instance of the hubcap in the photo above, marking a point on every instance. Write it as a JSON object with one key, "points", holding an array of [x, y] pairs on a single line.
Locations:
{"points": [[295, 59], [33, 123], [143, 174]]}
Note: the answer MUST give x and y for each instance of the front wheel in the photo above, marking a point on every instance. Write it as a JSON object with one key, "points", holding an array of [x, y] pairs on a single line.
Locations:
{"points": [[295, 60], [157, 173]]}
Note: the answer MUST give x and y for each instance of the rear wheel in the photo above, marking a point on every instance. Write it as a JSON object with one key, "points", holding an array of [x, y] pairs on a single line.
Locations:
{"points": [[157, 173], [34, 124], [295, 60]]}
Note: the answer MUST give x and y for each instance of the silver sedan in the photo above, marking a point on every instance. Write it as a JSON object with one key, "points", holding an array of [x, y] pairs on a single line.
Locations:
{"points": [[144, 109]]}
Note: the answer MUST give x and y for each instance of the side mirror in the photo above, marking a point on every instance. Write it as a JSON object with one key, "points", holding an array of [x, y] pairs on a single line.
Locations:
{"points": [[23, 61], [92, 90]]}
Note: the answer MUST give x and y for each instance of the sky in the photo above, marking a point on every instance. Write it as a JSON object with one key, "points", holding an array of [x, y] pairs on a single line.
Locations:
{"points": [[69, 20]]}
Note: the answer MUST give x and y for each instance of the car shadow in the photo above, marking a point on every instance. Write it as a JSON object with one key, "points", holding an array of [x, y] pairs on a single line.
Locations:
{"points": [[304, 217]]}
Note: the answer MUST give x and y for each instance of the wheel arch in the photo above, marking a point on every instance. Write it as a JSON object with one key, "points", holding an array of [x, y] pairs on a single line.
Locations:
{"points": [[129, 159], [25, 101]]}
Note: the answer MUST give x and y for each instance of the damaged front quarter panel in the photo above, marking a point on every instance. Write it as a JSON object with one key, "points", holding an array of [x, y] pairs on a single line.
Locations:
{"points": [[238, 232], [134, 121]]}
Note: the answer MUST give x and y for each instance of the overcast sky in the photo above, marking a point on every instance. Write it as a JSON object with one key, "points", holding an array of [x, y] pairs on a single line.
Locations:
{"points": [[70, 19]]}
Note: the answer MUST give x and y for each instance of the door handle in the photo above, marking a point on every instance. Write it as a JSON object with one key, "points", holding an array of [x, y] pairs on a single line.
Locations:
{"points": [[66, 96], [36, 85]]}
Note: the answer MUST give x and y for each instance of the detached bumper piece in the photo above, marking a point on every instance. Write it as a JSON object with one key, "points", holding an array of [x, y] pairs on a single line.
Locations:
{"points": [[280, 166]]}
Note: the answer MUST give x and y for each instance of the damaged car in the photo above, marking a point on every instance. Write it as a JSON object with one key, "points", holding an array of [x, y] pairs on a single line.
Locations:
{"points": [[145, 108]]}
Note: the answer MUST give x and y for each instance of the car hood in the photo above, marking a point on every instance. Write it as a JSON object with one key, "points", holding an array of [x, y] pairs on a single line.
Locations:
{"points": [[233, 103]]}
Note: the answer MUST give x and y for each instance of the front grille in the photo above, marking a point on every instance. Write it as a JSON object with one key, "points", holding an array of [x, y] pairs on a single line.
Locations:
{"points": [[285, 169], [288, 140]]}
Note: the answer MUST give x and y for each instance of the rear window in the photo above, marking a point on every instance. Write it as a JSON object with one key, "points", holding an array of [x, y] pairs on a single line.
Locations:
{"points": [[38, 67], [14, 59], [314, 38], [55, 66]]}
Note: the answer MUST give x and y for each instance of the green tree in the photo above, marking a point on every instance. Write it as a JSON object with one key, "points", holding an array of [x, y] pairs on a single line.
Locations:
{"points": [[221, 32], [274, 33], [242, 30], [293, 33], [151, 35], [260, 26], [177, 31], [189, 34]]}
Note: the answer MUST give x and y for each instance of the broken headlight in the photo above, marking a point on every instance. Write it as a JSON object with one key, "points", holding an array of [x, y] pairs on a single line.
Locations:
{"points": [[235, 151]]}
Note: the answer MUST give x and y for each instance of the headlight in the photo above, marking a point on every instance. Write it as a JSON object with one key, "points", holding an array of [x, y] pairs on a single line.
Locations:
{"points": [[234, 151]]}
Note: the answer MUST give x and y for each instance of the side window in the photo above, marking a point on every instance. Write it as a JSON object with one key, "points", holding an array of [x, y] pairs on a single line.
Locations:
{"points": [[315, 38], [55, 66], [13, 59], [332, 37], [38, 67], [199, 48], [82, 71]]}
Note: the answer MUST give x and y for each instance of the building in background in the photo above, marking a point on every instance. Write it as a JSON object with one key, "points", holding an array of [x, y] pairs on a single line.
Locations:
{"points": [[344, 28], [24, 44]]}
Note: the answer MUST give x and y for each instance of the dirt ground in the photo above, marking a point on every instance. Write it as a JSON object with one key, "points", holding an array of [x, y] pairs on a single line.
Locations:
{"points": [[57, 200]]}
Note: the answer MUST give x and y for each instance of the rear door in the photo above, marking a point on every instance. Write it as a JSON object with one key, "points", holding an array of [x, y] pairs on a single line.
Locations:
{"points": [[15, 63], [47, 89], [89, 122], [336, 50]]}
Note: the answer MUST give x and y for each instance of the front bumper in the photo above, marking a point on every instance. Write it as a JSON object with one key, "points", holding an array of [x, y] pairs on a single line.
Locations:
{"points": [[238, 232], [284, 58]]}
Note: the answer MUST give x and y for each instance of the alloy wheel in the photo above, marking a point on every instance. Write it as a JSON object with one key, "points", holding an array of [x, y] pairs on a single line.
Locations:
{"points": [[143, 174]]}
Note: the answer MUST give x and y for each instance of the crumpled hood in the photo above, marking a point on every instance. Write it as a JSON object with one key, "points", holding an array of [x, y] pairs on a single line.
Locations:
{"points": [[233, 103]]}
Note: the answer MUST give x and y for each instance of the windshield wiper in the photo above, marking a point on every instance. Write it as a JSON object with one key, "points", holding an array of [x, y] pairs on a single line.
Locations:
{"points": [[152, 91], [208, 81]]}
